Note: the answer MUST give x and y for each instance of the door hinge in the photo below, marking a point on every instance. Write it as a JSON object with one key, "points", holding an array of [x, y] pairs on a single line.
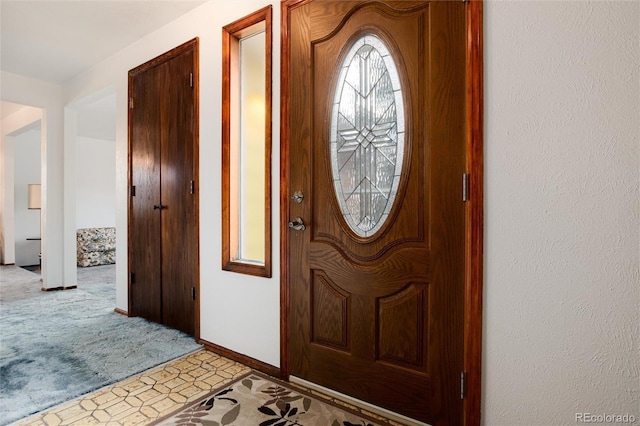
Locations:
{"points": [[463, 384], [190, 79], [133, 190], [130, 103], [192, 187], [465, 187], [132, 278], [193, 293]]}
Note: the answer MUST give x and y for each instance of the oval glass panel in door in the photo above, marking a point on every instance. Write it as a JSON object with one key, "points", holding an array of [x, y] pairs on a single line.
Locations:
{"points": [[367, 135]]}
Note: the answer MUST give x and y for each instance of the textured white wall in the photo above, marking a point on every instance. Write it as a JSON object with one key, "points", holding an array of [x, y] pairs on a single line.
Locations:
{"points": [[95, 183], [562, 213]]}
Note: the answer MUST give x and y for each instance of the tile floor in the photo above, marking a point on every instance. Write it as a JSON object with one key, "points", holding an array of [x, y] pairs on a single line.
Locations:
{"points": [[153, 394], [146, 397]]}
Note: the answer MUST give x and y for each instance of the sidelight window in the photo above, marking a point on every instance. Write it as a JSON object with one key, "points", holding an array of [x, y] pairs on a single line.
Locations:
{"points": [[246, 145]]}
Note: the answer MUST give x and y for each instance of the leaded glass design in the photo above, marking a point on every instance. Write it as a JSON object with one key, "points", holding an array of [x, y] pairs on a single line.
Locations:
{"points": [[367, 135]]}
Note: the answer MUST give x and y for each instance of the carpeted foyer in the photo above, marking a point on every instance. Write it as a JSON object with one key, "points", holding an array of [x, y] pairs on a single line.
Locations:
{"points": [[57, 345], [66, 358]]}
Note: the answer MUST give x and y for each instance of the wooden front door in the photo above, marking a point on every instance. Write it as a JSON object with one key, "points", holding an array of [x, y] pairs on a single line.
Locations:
{"points": [[377, 148], [163, 209]]}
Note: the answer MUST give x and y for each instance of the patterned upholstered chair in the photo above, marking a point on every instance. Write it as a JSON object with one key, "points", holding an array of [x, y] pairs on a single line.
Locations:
{"points": [[96, 246]]}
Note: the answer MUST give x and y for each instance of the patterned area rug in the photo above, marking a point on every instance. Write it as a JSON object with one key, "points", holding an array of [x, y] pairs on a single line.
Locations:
{"points": [[257, 400]]}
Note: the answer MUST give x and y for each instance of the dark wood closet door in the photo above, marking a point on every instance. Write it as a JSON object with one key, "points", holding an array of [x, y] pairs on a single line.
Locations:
{"points": [[377, 289], [179, 225], [163, 220], [145, 240]]}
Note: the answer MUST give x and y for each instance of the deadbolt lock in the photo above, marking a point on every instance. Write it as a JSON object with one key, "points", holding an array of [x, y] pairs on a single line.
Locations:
{"points": [[297, 196]]}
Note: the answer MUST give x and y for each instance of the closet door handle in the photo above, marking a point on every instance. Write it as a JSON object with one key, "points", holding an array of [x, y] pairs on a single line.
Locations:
{"points": [[160, 207]]}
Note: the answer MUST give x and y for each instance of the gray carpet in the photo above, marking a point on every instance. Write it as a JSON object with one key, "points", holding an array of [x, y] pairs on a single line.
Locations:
{"points": [[55, 346]]}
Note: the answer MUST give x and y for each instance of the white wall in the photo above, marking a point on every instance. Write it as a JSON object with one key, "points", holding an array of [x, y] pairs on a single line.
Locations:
{"points": [[58, 264], [239, 312], [26, 148], [10, 126], [562, 214], [95, 183]]}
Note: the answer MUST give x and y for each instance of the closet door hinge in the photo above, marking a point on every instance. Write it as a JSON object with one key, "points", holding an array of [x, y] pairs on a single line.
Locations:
{"points": [[190, 79], [130, 103], [193, 293], [133, 191], [132, 278], [463, 384], [192, 187], [465, 187]]}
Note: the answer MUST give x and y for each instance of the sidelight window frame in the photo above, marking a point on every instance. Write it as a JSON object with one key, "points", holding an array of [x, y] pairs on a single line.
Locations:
{"points": [[232, 119]]}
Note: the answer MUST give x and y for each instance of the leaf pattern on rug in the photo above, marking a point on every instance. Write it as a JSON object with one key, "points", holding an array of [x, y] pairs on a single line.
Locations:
{"points": [[282, 397], [283, 418], [194, 416], [258, 401], [211, 401]]}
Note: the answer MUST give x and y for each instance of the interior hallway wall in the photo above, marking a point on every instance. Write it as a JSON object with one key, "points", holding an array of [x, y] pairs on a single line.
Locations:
{"points": [[26, 148], [11, 126], [58, 265], [562, 220], [95, 183]]}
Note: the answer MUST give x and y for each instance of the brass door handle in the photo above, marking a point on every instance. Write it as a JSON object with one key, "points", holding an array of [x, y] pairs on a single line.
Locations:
{"points": [[297, 224]]}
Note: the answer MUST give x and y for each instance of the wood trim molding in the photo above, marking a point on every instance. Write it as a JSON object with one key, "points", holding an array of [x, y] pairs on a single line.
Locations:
{"points": [[176, 51], [71, 287], [243, 359], [474, 215], [196, 171], [121, 312], [232, 33]]}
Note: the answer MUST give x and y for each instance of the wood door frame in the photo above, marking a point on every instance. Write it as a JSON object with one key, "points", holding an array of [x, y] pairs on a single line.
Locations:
{"points": [[474, 219], [194, 45]]}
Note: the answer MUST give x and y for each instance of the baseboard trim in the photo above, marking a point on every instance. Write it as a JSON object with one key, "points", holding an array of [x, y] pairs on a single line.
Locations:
{"points": [[71, 287], [243, 359], [391, 415], [8, 264], [121, 312]]}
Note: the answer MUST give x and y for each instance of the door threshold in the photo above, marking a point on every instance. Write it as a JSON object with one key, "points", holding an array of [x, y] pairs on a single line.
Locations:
{"points": [[358, 403]]}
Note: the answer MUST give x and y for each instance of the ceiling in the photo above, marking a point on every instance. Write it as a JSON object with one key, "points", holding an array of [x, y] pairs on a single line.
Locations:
{"points": [[54, 40]]}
